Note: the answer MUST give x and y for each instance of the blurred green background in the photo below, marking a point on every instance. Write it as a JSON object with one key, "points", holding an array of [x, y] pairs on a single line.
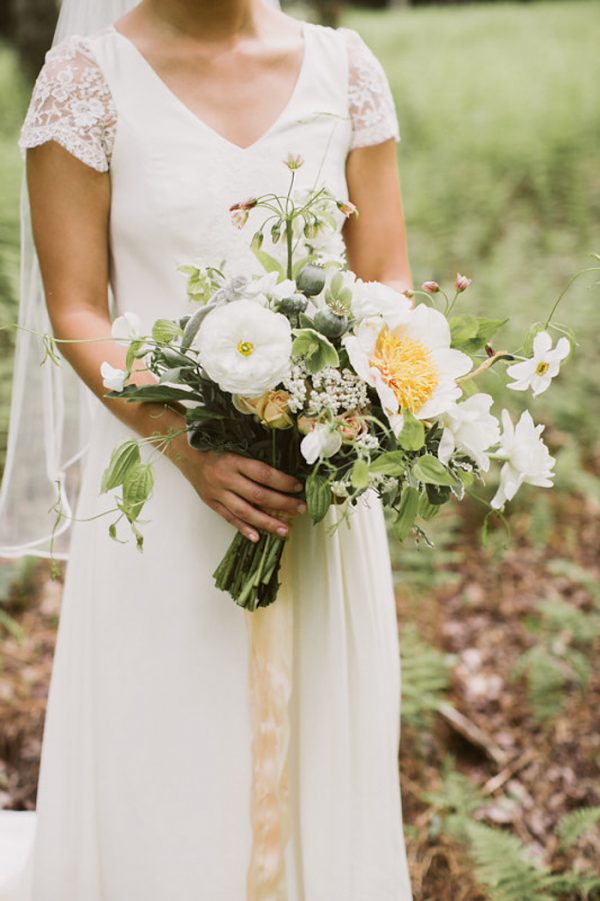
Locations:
{"points": [[499, 111]]}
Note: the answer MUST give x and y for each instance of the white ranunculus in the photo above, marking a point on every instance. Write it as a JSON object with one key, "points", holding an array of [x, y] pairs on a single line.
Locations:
{"points": [[126, 328], [244, 347], [323, 440], [544, 365], [527, 459], [409, 362], [469, 427], [376, 299], [112, 378]]}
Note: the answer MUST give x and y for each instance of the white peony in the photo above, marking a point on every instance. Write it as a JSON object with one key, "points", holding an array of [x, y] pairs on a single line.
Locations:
{"points": [[376, 299], [409, 362], [112, 378], [538, 372], [244, 347], [527, 459], [469, 427], [126, 328], [323, 440]]}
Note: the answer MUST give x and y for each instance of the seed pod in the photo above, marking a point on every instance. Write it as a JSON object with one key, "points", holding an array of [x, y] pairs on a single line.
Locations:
{"points": [[311, 280], [329, 324]]}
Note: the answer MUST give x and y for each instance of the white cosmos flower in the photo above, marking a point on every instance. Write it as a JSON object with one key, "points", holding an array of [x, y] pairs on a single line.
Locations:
{"points": [[126, 328], [469, 427], [527, 459], [323, 440], [244, 347], [538, 372], [113, 379], [409, 362], [375, 299]]}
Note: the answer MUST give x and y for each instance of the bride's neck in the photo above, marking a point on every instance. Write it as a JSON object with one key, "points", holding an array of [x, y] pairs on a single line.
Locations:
{"points": [[205, 17]]}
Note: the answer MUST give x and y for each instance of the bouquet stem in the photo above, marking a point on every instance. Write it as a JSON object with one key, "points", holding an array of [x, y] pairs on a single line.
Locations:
{"points": [[250, 572]]}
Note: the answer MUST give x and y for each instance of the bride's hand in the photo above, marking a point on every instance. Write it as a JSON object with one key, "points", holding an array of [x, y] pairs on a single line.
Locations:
{"points": [[247, 493]]}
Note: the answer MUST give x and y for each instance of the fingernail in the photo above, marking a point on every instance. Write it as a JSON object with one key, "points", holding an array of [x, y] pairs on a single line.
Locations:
{"points": [[282, 531], [298, 486], [252, 536], [301, 508]]}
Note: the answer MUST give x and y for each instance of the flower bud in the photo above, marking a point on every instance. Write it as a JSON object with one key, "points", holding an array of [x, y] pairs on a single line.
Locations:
{"points": [[239, 217], [293, 161], [276, 231], [462, 282], [248, 204], [430, 287], [346, 207], [408, 293]]}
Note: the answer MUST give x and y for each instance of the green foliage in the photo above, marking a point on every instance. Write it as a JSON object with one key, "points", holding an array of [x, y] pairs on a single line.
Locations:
{"points": [[314, 348], [564, 635], [573, 825], [455, 801], [425, 676]]}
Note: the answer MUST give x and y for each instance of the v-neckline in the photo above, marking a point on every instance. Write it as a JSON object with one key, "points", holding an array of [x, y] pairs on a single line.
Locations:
{"points": [[170, 93]]}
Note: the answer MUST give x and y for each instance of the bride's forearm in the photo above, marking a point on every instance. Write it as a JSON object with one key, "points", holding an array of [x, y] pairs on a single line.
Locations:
{"points": [[84, 339]]}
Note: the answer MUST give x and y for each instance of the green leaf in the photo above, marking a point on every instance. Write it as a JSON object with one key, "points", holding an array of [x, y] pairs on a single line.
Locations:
{"points": [[407, 512], [164, 330], [427, 510], [430, 471], [123, 459], [158, 394], [462, 329], [137, 487], [391, 463], [191, 329], [412, 436], [315, 348], [136, 349], [318, 496], [170, 375], [360, 474], [486, 329], [269, 263]]}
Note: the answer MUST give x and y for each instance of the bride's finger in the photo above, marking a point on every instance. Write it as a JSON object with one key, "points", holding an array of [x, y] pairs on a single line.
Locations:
{"points": [[239, 524], [253, 516], [272, 501]]}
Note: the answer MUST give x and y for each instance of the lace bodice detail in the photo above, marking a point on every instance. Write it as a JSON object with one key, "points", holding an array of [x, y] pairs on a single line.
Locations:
{"points": [[72, 102]]}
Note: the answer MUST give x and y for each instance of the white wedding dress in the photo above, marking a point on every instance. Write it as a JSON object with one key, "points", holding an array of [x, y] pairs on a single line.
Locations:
{"points": [[146, 762]]}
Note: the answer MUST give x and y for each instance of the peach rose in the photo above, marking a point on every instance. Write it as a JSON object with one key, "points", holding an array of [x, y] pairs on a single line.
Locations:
{"points": [[271, 408]]}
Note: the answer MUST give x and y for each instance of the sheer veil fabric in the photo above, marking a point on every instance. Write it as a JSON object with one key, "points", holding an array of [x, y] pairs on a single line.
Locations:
{"points": [[51, 409]]}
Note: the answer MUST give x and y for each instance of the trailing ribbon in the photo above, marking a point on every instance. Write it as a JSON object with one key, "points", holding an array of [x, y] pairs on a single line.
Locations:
{"points": [[270, 635]]}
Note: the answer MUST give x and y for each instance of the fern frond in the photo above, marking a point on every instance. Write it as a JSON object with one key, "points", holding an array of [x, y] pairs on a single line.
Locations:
{"points": [[572, 825], [546, 678], [424, 675], [504, 868]]}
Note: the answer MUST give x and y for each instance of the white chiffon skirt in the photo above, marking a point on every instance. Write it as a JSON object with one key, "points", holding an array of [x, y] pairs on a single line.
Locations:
{"points": [[144, 786]]}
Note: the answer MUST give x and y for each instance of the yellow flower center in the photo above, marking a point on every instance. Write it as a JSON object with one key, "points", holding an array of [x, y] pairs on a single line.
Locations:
{"points": [[245, 348], [406, 367], [542, 368]]}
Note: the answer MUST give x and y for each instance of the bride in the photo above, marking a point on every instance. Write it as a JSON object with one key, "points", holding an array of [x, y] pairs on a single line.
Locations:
{"points": [[139, 136]]}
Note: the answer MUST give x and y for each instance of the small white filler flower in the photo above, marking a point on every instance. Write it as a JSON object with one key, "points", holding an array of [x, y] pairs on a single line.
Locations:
{"points": [[526, 458], [245, 348], [544, 365], [126, 328], [322, 441], [113, 379], [471, 428]]}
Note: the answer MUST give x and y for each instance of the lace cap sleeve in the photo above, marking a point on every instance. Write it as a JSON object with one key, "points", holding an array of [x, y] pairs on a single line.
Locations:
{"points": [[72, 105], [370, 100]]}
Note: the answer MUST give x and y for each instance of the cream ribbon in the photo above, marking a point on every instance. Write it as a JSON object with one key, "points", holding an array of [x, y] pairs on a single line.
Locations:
{"points": [[270, 636]]}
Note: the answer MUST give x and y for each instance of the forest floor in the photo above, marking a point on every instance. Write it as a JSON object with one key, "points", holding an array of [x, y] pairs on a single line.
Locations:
{"points": [[528, 771]]}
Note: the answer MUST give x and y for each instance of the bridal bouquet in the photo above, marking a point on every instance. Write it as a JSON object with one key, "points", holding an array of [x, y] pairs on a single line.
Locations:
{"points": [[349, 385]]}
